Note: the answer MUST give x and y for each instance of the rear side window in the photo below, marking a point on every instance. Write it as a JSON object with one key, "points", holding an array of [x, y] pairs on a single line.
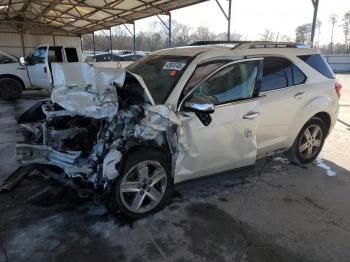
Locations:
{"points": [[71, 54], [318, 63], [279, 72]]}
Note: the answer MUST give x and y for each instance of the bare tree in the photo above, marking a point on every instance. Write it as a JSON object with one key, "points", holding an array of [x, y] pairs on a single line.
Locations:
{"points": [[334, 20], [268, 35], [346, 30], [303, 33]]}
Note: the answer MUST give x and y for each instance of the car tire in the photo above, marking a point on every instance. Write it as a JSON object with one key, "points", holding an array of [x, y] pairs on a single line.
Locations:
{"points": [[308, 143], [10, 89], [144, 186]]}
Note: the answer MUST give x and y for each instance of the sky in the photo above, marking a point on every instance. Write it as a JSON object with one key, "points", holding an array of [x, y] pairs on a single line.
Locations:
{"points": [[251, 17]]}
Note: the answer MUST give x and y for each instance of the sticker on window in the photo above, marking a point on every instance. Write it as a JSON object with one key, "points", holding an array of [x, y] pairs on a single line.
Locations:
{"points": [[174, 66]]}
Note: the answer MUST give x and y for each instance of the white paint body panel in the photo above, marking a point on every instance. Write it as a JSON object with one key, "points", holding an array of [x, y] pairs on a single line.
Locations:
{"points": [[222, 145]]}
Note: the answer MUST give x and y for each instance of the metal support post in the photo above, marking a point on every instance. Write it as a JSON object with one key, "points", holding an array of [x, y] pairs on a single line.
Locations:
{"points": [[227, 16], [314, 21], [167, 26]]}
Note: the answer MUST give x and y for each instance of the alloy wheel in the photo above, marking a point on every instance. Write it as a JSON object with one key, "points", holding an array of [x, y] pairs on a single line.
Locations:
{"points": [[310, 141], [143, 187]]}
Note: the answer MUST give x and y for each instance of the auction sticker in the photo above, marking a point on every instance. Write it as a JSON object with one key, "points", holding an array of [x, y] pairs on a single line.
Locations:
{"points": [[174, 66]]}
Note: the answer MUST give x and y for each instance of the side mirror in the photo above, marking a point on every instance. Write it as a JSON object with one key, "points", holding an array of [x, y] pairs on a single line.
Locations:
{"points": [[22, 61], [200, 105]]}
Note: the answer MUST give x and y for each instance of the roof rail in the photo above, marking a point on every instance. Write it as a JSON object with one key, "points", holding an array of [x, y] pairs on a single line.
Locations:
{"points": [[216, 42], [253, 44]]}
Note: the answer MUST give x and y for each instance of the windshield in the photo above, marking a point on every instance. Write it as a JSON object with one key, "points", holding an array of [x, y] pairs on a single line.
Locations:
{"points": [[160, 73]]}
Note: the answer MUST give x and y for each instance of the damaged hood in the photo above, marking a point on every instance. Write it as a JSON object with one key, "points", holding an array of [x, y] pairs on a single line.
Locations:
{"points": [[90, 91]]}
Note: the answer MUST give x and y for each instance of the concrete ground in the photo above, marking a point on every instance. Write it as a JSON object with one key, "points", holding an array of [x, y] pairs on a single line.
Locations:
{"points": [[274, 212]]}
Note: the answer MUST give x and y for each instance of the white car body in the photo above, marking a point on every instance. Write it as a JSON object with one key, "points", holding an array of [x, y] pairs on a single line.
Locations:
{"points": [[281, 113], [180, 114]]}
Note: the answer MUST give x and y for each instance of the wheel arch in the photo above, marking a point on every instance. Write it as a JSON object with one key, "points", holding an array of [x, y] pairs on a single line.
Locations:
{"points": [[13, 77], [134, 146]]}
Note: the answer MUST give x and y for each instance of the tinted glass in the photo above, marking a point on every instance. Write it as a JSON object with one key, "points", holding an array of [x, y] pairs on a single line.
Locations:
{"points": [[318, 63], [232, 83], [38, 57], [201, 72], [279, 72], [72, 55], [298, 76], [55, 55], [160, 73]]}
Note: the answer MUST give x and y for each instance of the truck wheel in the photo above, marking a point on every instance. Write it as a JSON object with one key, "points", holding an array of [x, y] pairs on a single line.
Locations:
{"points": [[308, 143], [10, 89], [144, 186]]}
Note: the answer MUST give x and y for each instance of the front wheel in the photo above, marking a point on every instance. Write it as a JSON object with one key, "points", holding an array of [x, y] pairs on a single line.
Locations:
{"points": [[10, 89], [145, 185], [309, 142]]}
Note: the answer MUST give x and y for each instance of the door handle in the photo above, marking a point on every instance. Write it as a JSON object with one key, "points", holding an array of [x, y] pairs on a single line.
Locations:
{"points": [[45, 70], [251, 115], [299, 95]]}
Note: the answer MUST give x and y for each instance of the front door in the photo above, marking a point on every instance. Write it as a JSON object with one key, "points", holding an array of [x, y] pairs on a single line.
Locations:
{"points": [[38, 69], [229, 141]]}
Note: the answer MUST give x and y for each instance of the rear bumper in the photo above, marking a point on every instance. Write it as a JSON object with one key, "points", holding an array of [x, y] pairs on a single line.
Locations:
{"points": [[334, 118]]}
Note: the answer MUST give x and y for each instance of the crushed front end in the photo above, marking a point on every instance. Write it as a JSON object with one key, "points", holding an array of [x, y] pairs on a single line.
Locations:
{"points": [[90, 123]]}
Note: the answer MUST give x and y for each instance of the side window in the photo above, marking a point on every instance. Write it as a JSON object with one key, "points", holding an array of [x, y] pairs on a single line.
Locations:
{"points": [[71, 54], [202, 71], [39, 56], [234, 82], [55, 55], [298, 76], [279, 72]]}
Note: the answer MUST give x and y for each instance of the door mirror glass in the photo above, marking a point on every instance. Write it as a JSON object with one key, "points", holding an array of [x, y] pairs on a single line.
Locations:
{"points": [[22, 61], [200, 104]]}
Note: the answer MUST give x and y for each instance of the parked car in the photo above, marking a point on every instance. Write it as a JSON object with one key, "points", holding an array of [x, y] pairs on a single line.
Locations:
{"points": [[32, 71], [180, 114], [105, 57]]}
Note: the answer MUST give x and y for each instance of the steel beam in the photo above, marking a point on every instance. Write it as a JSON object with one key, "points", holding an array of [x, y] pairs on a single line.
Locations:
{"points": [[93, 41], [167, 26], [314, 21], [133, 34], [110, 42], [227, 16]]}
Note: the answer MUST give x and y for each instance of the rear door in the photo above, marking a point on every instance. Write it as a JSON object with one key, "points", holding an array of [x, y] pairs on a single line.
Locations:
{"points": [[283, 92], [229, 141], [38, 68]]}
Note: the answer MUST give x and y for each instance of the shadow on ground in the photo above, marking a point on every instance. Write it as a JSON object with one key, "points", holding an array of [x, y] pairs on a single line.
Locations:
{"points": [[260, 214]]}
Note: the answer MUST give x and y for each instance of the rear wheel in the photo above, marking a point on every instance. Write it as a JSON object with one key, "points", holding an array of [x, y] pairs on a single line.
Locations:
{"points": [[145, 185], [10, 89], [309, 142]]}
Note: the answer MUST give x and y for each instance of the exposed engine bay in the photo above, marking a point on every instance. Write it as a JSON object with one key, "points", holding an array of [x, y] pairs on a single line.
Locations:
{"points": [[90, 123]]}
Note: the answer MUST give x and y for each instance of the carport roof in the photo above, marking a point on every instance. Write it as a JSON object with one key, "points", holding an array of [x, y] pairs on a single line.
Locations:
{"points": [[82, 16]]}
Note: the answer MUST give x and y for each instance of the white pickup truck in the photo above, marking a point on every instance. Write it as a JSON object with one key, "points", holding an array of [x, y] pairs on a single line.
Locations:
{"points": [[32, 71]]}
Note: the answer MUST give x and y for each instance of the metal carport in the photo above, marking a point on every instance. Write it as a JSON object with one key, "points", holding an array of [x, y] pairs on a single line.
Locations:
{"points": [[58, 22], [25, 24]]}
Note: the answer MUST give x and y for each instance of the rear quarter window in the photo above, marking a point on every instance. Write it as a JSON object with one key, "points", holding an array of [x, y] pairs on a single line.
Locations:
{"points": [[318, 63]]}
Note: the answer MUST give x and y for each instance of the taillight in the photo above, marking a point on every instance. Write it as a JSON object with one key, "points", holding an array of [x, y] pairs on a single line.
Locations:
{"points": [[338, 87]]}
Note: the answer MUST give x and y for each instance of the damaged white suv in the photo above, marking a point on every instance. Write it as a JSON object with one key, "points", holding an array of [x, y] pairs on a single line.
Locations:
{"points": [[179, 114]]}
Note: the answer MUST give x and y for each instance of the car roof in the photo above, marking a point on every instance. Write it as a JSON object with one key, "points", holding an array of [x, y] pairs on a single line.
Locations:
{"points": [[246, 48]]}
